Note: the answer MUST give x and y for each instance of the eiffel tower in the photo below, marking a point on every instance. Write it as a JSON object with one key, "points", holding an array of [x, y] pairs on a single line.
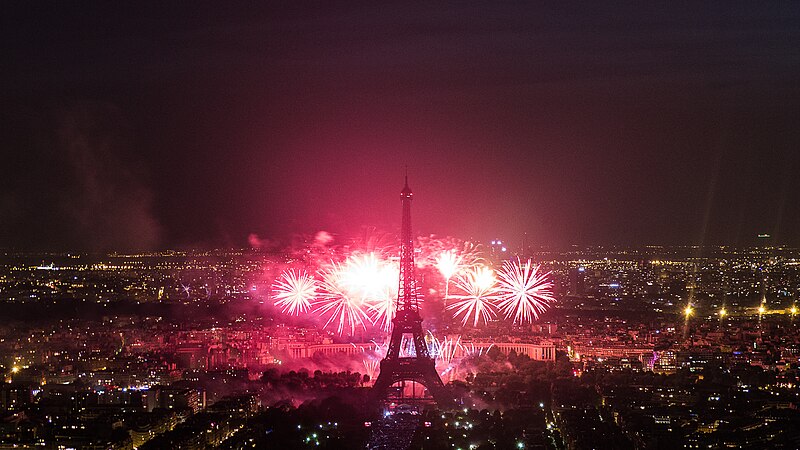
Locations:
{"points": [[420, 367]]}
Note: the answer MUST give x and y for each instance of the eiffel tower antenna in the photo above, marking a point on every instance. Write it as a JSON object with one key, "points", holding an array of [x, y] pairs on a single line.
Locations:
{"points": [[418, 366]]}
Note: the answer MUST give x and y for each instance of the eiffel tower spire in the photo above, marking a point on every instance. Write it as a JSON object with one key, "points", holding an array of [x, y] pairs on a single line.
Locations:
{"points": [[418, 367]]}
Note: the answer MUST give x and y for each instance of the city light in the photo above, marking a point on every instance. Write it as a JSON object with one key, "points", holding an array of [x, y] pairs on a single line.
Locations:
{"points": [[203, 245]]}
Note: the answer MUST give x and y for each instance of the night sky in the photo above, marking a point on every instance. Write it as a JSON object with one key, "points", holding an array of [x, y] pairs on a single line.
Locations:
{"points": [[151, 126]]}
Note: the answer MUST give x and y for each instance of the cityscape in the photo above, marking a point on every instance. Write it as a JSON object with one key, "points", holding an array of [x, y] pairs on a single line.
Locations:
{"points": [[647, 346], [595, 243]]}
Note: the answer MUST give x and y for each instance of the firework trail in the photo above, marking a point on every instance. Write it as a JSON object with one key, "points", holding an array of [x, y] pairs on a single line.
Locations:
{"points": [[470, 350], [434, 344], [524, 291], [342, 310], [431, 249], [407, 349], [380, 349], [471, 255], [449, 263], [382, 312], [294, 292], [371, 368], [477, 299], [444, 351], [373, 240]]}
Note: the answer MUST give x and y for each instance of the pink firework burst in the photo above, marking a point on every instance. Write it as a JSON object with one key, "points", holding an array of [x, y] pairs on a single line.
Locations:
{"points": [[382, 312], [477, 298], [337, 307], [449, 263], [294, 291], [374, 281], [524, 291], [368, 276]]}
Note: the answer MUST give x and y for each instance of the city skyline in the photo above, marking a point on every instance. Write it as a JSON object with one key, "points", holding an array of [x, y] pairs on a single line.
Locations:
{"points": [[129, 128], [196, 349], [201, 245]]}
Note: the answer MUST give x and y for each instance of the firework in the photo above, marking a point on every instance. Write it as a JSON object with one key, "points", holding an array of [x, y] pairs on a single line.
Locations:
{"points": [[471, 350], [294, 292], [443, 351], [374, 281], [382, 312], [368, 276], [431, 249], [371, 368], [434, 345], [524, 291], [471, 255], [478, 296], [361, 288], [407, 347], [449, 263], [380, 349], [342, 310]]}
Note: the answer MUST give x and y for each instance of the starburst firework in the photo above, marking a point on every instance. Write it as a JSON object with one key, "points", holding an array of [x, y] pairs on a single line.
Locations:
{"points": [[524, 291], [374, 281], [294, 292], [449, 263], [477, 299], [367, 276], [382, 312], [336, 306]]}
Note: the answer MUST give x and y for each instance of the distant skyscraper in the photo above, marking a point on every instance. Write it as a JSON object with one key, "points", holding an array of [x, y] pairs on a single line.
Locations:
{"points": [[577, 282]]}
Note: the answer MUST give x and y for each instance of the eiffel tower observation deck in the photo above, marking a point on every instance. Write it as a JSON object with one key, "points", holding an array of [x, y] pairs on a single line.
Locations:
{"points": [[412, 368]]}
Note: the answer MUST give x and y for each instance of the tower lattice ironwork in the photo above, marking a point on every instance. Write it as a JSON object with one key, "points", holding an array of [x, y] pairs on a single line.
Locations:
{"points": [[417, 365]]}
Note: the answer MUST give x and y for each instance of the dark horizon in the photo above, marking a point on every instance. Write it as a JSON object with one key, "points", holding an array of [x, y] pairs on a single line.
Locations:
{"points": [[136, 128]]}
